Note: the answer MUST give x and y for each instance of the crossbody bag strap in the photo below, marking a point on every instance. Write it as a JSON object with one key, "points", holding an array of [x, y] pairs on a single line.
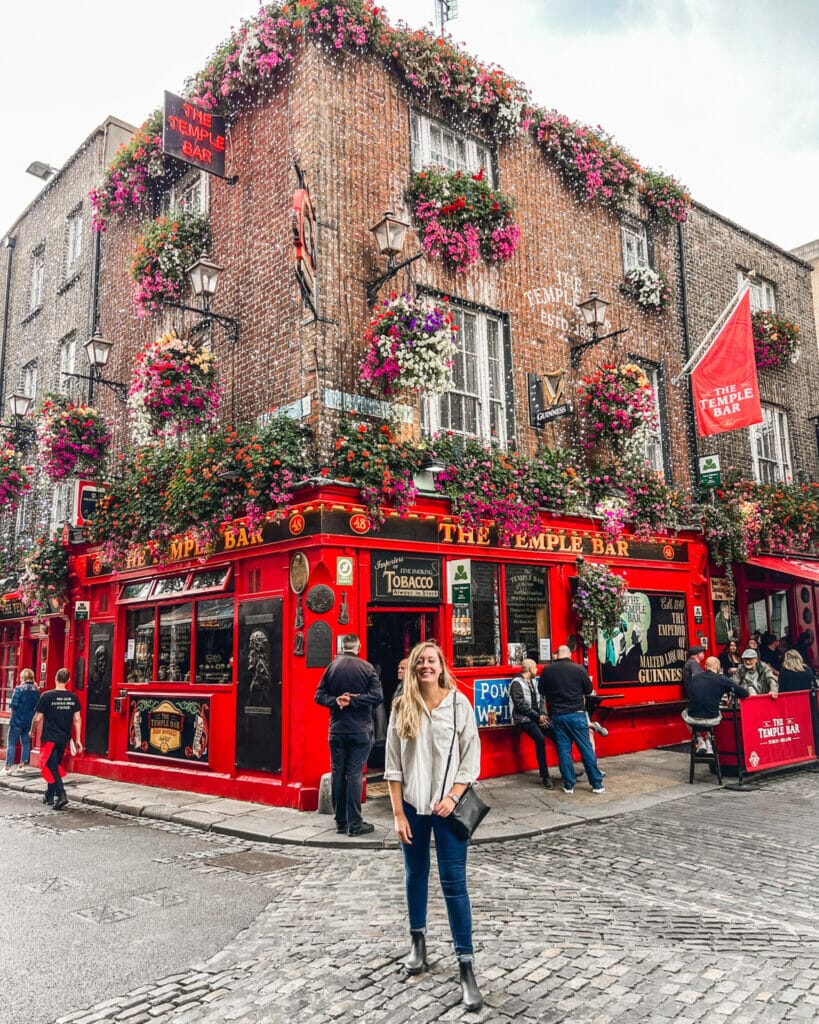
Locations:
{"points": [[451, 745]]}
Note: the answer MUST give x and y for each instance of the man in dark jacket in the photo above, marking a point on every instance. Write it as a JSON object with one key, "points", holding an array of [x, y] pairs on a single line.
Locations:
{"points": [[529, 714], [693, 667], [704, 696], [565, 685], [351, 689]]}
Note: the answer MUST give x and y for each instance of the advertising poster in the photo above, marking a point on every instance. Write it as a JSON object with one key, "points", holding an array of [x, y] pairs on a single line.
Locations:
{"points": [[170, 727], [492, 702], [648, 647], [777, 732]]}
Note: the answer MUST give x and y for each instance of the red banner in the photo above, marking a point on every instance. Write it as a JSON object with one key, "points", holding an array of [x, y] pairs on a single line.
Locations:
{"points": [[777, 731], [724, 382]]}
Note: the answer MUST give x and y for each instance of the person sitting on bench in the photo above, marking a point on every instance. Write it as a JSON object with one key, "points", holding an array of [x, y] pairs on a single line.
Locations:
{"points": [[705, 691]]}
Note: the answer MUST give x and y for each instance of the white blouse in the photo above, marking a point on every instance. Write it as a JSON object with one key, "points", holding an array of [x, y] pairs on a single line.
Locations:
{"points": [[419, 763]]}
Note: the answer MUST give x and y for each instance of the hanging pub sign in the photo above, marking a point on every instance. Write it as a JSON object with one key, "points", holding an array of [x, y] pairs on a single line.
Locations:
{"points": [[170, 727], [194, 135], [397, 579], [546, 394], [304, 239]]}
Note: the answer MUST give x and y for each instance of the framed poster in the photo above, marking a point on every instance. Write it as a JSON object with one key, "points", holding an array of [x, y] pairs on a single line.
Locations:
{"points": [[170, 727], [648, 646]]}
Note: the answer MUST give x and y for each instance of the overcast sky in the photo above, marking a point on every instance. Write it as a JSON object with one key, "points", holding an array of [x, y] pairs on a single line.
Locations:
{"points": [[721, 93]]}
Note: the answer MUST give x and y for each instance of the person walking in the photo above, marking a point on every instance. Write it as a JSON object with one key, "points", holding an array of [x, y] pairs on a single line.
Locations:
{"points": [[429, 719], [565, 685], [529, 714], [60, 713], [23, 702], [351, 689]]}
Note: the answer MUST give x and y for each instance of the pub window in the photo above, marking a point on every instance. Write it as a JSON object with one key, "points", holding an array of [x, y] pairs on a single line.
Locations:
{"points": [[174, 654], [527, 612], [210, 579], [190, 193], [768, 612], [653, 438], [169, 585], [437, 144], [214, 640], [477, 640], [139, 641], [29, 382], [67, 383], [135, 591]]}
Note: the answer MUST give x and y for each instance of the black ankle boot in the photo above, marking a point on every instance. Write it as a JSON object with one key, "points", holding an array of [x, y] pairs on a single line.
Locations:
{"points": [[417, 959], [470, 995]]}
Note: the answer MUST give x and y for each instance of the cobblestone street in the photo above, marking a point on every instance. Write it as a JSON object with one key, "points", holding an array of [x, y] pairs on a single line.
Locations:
{"points": [[705, 908]]}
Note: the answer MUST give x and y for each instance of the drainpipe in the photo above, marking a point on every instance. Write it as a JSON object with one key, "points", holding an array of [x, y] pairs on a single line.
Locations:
{"points": [[689, 417], [9, 242]]}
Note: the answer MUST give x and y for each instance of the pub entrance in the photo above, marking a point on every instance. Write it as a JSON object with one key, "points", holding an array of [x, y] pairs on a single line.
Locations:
{"points": [[391, 635]]}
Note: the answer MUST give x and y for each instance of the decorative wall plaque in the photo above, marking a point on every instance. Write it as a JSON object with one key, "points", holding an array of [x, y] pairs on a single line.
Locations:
{"points": [[319, 645], [299, 572], [320, 599]]}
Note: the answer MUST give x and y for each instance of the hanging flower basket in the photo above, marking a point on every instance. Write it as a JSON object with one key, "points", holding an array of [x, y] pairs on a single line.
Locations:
{"points": [[72, 439], [165, 249], [617, 406], [410, 348], [127, 182], [44, 579], [776, 341], [461, 219], [598, 600], [175, 388], [667, 199], [649, 289], [14, 478]]}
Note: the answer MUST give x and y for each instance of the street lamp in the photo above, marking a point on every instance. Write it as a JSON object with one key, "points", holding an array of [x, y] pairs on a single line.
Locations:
{"points": [[594, 313], [390, 235], [98, 349], [424, 476], [204, 279], [19, 406]]}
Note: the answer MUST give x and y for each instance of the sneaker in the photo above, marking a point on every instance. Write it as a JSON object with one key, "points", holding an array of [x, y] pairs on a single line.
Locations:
{"points": [[341, 829], [6, 770], [60, 802], [599, 789], [361, 830], [701, 748], [709, 747], [568, 790], [601, 730], [48, 800]]}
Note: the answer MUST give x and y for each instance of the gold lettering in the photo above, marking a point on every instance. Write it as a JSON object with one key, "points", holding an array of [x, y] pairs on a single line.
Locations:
{"points": [[230, 540], [447, 529], [597, 545], [622, 548], [577, 543]]}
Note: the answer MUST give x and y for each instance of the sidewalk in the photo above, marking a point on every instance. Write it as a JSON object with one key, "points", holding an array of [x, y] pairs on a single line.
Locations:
{"points": [[521, 807]]}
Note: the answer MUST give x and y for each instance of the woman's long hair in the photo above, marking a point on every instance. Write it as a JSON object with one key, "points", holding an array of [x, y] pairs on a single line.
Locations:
{"points": [[792, 661], [409, 707]]}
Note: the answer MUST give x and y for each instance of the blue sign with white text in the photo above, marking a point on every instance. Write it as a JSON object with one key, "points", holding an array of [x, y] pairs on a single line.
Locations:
{"points": [[492, 702]]}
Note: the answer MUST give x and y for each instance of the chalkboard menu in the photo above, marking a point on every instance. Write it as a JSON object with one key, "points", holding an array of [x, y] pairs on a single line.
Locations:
{"points": [[526, 605]]}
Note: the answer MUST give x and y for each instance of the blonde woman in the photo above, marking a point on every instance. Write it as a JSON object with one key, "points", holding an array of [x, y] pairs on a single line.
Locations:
{"points": [[424, 793]]}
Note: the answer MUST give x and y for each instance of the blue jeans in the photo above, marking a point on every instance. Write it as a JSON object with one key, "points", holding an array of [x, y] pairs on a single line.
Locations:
{"points": [[451, 855], [348, 755], [17, 732], [575, 728]]}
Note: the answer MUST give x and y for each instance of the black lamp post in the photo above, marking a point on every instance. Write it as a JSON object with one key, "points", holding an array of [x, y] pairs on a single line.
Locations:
{"points": [[98, 349], [390, 234], [19, 406], [204, 278], [594, 313]]}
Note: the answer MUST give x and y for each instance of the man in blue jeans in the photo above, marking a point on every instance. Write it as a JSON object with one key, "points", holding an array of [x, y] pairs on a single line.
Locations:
{"points": [[351, 689], [565, 686]]}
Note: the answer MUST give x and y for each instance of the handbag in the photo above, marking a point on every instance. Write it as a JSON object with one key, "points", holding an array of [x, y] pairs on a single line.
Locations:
{"points": [[470, 810]]}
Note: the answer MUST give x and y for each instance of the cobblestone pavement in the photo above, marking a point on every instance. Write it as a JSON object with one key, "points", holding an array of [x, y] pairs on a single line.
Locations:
{"points": [[704, 909]]}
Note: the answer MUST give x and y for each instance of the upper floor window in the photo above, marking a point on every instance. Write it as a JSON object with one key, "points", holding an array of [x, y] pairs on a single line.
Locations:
{"points": [[770, 447], [61, 499], [654, 438], [37, 275], [74, 240], [190, 193], [29, 381], [635, 244], [476, 406], [763, 294], [68, 352], [433, 143]]}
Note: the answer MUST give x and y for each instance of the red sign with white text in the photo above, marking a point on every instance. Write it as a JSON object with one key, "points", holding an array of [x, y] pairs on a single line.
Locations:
{"points": [[777, 731], [724, 382]]}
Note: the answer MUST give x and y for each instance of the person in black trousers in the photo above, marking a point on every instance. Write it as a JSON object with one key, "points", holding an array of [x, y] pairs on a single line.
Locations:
{"points": [[529, 714], [351, 689], [59, 711]]}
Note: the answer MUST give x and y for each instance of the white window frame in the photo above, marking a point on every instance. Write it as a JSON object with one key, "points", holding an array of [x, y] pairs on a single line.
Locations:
{"points": [[190, 193], [634, 239], [29, 380], [476, 406], [771, 447], [68, 355], [74, 240], [434, 143], [61, 500], [763, 292], [653, 448], [37, 277]]}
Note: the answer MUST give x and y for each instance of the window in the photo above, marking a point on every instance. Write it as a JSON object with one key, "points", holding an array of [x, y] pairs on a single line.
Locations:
{"points": [[654, 438], [190, 193], [61, 498], [770, 447], [29, 381], [527, 612], [433, 143], [476, 634], [763, 295], [476, 406], [139, 651], [74, 241], [214, 640], [635, 244], [67, 385], [37, 274], [174, 656], [768, 611]]}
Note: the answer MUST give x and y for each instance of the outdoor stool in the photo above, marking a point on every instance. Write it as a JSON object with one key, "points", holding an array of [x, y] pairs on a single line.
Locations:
{"points": [[702, 756]]}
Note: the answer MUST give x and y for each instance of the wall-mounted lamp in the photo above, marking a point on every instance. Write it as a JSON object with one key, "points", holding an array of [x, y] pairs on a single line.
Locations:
{"points": [[98, 349], [43, 171], [390, 234], [204, 279], [594, 313], [424, 476], [20, 405]]}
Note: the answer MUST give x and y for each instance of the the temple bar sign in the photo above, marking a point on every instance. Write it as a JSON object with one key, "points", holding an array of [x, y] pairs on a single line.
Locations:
{"points": [[193, 134]]}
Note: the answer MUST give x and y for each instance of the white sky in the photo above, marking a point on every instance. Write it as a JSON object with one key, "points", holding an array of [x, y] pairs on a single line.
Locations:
{"points": [[724, 94]]}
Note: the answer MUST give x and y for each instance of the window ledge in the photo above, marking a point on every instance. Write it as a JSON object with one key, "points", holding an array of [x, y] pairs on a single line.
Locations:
{"points": [[30, 316], [69, 282]]}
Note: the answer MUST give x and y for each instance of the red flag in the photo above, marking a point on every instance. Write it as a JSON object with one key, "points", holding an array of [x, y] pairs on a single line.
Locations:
{"points": [[724, 382]]}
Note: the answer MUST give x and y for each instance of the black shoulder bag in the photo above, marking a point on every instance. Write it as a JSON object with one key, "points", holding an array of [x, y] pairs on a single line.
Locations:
{"points": [[470, 810]]}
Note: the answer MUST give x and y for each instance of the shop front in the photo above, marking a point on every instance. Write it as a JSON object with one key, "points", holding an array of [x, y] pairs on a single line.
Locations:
{"points": [[199, 673]]}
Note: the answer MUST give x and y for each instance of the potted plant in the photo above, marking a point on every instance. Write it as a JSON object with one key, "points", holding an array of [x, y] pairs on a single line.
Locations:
{"points": [[667, 199], [14, 477], [649, 288], [44, 577], [165, 248], [72, 439], [617, 405], [410, 347], [776, 340]]}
